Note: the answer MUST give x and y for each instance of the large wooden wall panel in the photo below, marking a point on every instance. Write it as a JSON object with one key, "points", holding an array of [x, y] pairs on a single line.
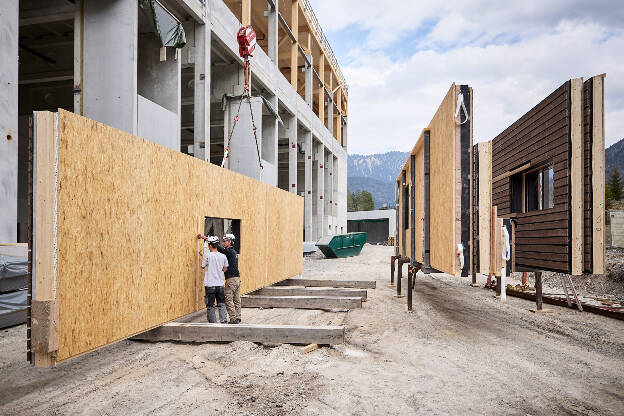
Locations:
{"points": [[541, 136], [444, 138], [128, 214], [446, 185]]}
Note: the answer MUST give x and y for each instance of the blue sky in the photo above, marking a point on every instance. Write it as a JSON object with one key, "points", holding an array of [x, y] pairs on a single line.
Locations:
{"points": [[401, 57]]}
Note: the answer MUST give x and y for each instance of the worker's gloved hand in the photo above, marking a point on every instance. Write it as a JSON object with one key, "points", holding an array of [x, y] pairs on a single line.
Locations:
{"points": [[200, 237]]}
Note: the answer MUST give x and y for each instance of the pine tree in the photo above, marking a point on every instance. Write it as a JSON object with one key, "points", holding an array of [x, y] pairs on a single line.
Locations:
{"points": [[364, 201], [351, 206], [614, 186]]}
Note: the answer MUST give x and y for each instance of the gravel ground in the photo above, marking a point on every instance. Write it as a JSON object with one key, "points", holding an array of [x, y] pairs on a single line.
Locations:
{"points": [[460, 352]]}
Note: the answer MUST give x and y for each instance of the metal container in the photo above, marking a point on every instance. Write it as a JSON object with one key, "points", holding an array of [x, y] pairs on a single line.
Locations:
{"points": [[342, 245]]}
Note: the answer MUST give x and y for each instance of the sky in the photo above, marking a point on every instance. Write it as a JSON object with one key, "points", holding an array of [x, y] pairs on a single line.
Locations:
{"points": [[400, 57]]}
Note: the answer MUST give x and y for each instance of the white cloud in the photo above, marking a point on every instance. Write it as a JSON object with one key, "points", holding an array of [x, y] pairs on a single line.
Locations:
{"points": [[512, 56]]}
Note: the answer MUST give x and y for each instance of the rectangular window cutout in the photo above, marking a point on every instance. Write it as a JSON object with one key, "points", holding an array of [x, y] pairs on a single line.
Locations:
{"points": [[532, 190], [221, 226]]}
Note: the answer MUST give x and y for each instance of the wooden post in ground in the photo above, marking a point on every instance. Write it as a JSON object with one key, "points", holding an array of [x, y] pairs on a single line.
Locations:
{"points": [[538, 291]]}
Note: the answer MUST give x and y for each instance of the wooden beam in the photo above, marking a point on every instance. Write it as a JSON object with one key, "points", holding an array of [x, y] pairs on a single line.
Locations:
{"points": [[598, 174], [511, 172], [44, 224], [576, 173], [283, 334], [312, 291], [294, 50], [301, 302], [246, 12], [356, 284]]}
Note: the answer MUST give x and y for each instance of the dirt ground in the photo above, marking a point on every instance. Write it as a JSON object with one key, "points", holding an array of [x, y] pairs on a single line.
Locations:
{"points": [[460, 352]]}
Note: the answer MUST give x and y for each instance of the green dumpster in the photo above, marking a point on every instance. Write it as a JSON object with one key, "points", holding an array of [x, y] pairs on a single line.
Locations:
{"points": [[342, 245]]}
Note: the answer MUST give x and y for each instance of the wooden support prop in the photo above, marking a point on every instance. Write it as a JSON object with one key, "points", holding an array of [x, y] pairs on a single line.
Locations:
{"points": [[355, 284], [309, 348], [205, 332], [300, 302], [312, 291]]}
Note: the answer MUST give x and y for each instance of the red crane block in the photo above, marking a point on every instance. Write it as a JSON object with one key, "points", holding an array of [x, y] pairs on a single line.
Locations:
{"points": [[246, 38]]}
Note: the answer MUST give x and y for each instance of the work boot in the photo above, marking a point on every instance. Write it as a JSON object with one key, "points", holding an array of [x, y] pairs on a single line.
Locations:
{"points": [[237, 321]]}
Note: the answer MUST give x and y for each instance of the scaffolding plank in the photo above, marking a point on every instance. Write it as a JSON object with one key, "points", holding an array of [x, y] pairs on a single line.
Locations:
{"points": [[301, 302], [354, 284], [205, 332]]}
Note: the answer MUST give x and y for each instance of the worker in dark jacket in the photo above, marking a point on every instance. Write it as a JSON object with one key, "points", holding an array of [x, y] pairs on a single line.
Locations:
{"points": [[232, 278]]}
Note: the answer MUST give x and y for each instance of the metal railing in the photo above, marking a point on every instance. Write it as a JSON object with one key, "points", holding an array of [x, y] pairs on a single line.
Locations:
{"points": [[307, 8]]}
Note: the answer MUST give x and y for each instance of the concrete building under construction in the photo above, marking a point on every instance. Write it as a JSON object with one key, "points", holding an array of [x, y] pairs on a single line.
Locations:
{"points": [[105, 60]]}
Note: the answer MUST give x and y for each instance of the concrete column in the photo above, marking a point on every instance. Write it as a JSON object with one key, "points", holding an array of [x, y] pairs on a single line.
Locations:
{"points": [[243, 154], [201, 107], [270, 142], [330, 114], [334, 176], [329, 189], [320, 192], [273, 32], [159, 91], [9, 33], [309, 84], [110, 39], [292, 154], [307, 215]]}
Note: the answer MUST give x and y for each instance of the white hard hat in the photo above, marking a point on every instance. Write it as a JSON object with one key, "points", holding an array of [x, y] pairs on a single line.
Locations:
{"points": [[229, 237], [213, 239]]}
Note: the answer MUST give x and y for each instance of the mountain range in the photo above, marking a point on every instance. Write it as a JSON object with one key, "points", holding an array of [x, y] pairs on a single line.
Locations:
{"points": [[614, 157], [377, 173]]}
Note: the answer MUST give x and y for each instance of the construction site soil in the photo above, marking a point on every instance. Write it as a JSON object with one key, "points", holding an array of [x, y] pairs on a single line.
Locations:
{"points": [[461, 351]]}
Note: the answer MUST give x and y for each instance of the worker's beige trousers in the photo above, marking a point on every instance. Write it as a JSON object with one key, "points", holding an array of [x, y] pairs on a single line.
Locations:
{"points": [[232, 298]]}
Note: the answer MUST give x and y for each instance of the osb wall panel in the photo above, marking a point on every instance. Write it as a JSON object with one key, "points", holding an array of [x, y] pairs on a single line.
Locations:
{"points": [[445, 186], [445, 224], [128, 214], [541, 136]]}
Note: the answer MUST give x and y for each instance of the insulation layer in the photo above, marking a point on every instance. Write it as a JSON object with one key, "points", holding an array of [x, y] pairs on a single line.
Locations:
{"points": [[128, 214]]}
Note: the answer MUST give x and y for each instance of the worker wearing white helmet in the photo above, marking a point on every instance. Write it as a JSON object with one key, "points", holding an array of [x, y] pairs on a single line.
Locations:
{"points": [[232, 278], [215, 264]]}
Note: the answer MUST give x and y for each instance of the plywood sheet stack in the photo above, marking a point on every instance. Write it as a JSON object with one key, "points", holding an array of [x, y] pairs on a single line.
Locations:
{"points": [[116, 224]]}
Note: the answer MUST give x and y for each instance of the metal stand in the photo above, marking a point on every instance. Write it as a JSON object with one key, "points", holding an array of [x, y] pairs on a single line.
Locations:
{"points": [[401, 262], [392, 260]]}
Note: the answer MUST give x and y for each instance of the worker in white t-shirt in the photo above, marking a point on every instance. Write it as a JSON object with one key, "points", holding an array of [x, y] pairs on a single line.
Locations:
{"points": [[215, 265]]}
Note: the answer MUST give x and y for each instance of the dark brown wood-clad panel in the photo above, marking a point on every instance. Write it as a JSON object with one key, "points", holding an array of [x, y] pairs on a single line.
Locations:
{"points": [[587, 175], [540, 137]]}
